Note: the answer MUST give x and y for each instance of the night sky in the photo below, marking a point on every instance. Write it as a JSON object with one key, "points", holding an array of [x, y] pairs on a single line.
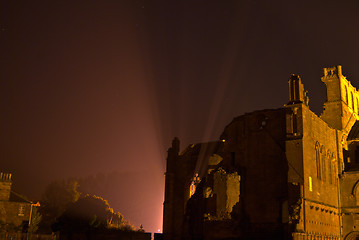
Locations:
{"points": [[100, 88]]}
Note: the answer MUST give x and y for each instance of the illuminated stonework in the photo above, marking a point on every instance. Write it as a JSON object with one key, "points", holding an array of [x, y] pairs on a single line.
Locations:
{"points": [[195, 181], [283, 173]]}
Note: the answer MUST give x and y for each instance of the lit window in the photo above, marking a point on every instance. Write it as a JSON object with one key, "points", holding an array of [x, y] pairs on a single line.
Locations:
{"points": [[310, 184], [192, 189], [194, 183], [21, 210]]}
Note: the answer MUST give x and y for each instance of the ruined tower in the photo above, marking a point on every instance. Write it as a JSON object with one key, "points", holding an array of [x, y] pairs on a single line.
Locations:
{"points": [[341, 106]]}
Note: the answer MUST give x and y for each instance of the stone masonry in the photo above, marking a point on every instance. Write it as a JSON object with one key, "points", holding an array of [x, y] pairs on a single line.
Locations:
{"points": [[281, 173]]}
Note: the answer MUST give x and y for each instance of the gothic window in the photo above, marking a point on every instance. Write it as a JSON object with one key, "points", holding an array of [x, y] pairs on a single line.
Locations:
{"points": [[334, 169], [192, 189], [330, 175], [323, 165], [356, 159], [295, 124], [233, 158], [352, 100], [346, 95], [317, 160], [356, 192]]}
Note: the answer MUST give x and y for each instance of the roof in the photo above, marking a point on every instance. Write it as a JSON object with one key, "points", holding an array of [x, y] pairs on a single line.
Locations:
{"points": [[15, 197], [354, 132]]}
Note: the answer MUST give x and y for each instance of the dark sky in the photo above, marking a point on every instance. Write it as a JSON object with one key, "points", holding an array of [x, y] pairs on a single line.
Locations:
{"points": [[100, 88]]}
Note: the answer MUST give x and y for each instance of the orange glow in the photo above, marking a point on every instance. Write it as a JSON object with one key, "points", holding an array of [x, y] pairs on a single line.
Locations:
{"points": [[194, 183]]}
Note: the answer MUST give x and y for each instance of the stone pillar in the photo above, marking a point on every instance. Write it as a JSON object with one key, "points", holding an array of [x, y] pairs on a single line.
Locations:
{"points": [[297, 94]]}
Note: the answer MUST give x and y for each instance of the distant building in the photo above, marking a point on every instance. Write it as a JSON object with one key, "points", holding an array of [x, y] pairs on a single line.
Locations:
{"points": [[282, 173], [15, 210]]}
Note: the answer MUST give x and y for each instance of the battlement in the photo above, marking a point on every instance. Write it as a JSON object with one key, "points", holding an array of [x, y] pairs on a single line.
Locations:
{"points": [[342, 99], [5, 176], [331, 72]]}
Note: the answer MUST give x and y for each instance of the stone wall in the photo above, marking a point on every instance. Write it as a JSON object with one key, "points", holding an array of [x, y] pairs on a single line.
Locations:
{"points": [[350, 201], [180, 171], [14, 212], [256, 142], [298, 176], [321, 153], [226, 188]]}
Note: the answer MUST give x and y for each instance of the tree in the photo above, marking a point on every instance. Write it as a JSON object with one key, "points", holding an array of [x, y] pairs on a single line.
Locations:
{"points": [[63, 209], [90, 213], [35, 220], [57, 197]]}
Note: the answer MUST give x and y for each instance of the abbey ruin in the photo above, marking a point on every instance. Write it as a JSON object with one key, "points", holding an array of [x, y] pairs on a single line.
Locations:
{"points": [[282, 173]]}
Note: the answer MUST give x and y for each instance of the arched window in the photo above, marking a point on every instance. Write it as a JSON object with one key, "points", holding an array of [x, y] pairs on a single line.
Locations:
{"points": [[323, 158], [346, 94], [334, 168], [317, 160], [351, 236], [330, 175], [351, 94], [355, 192]]}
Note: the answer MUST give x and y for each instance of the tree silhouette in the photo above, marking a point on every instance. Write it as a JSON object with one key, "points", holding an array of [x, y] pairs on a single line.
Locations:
{"points": [[90, 213], [57, 197]]}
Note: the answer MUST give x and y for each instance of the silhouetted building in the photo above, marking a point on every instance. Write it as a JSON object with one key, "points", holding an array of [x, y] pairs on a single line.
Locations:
{"points": [[15, 210], [282, 173]]}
